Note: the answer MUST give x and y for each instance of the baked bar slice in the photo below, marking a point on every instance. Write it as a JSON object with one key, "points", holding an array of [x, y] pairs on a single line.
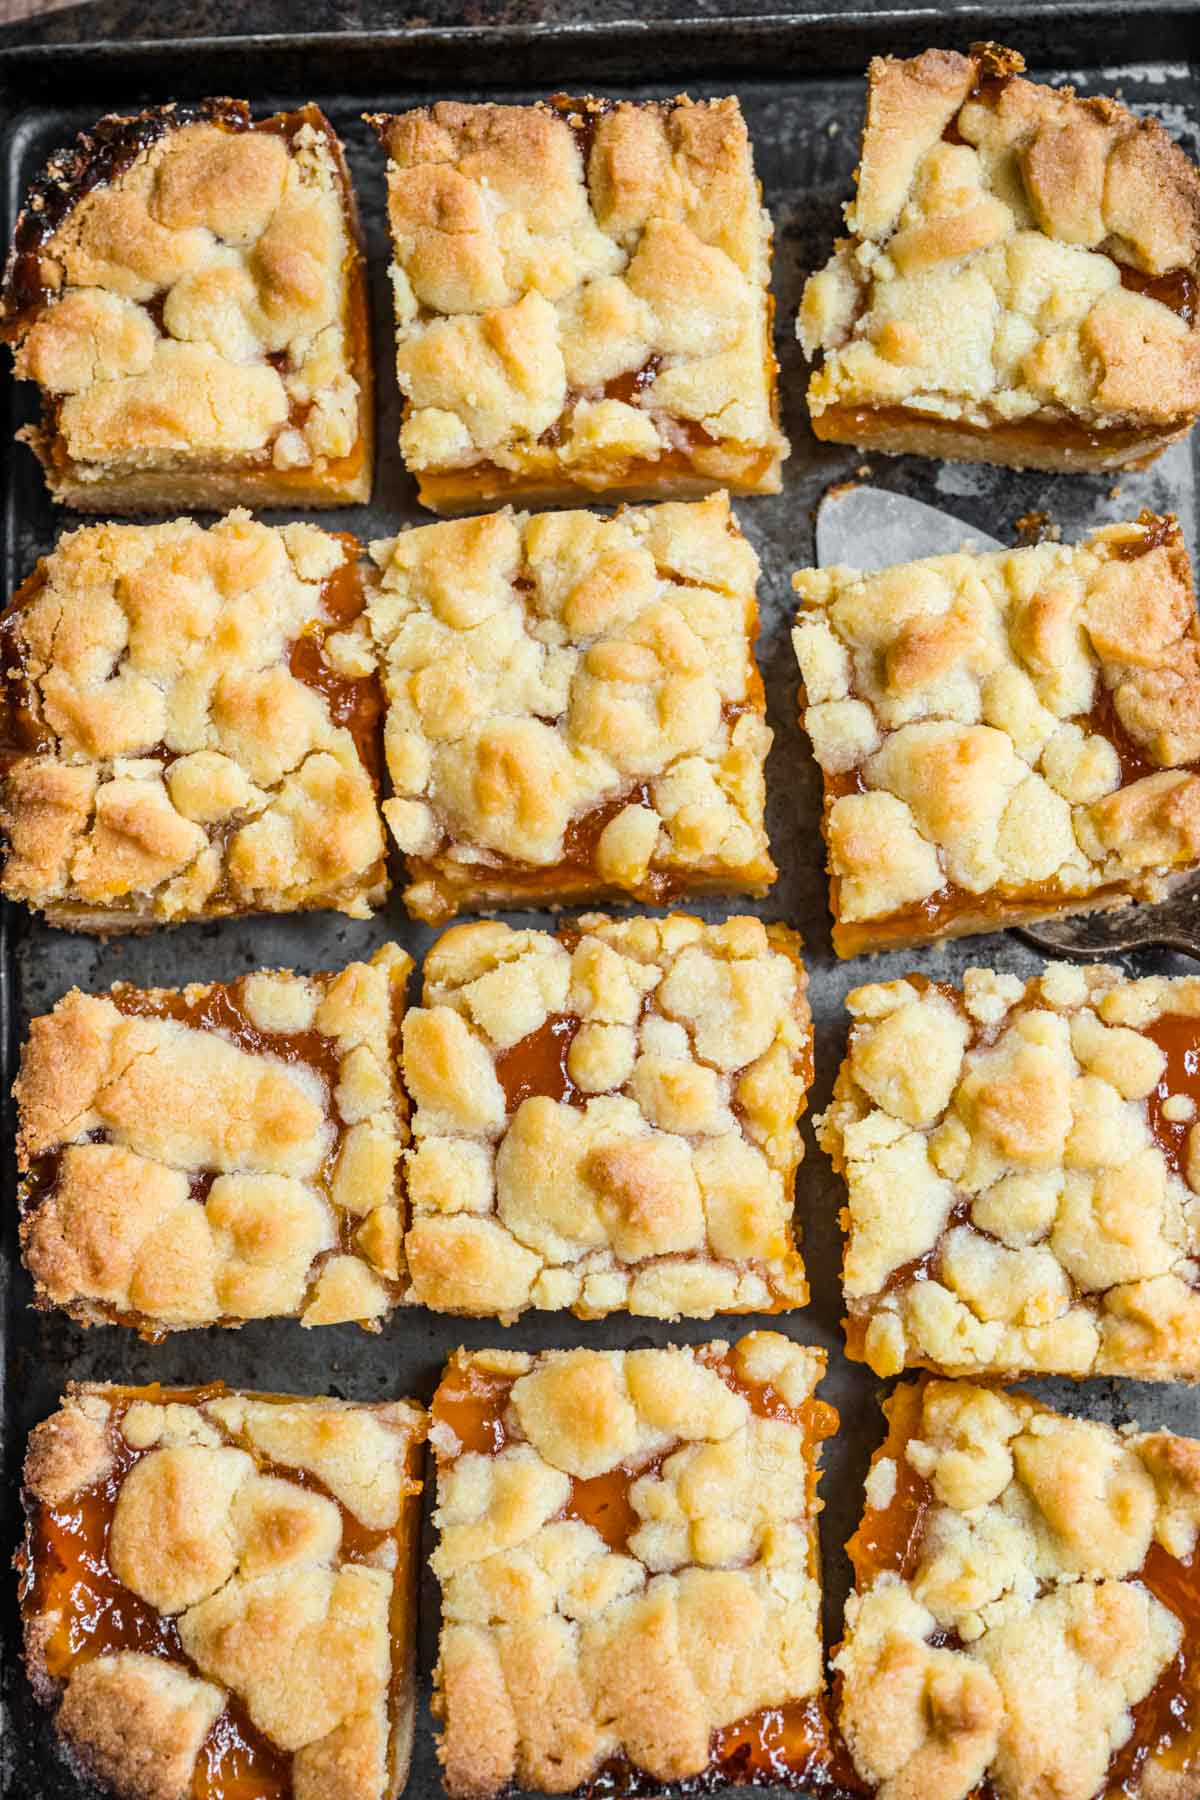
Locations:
{"points": [[606, 1119], [1022, 1166], [218, 1590], [1006, 737], [582, 301], [629, 1568], [186, 287], [217, 1153], [190, 727], [574, 709], [1020, 281], [1026, 1605]]}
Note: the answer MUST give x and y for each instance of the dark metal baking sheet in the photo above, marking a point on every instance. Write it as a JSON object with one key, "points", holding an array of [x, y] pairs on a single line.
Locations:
{"points": [[800, 82]]}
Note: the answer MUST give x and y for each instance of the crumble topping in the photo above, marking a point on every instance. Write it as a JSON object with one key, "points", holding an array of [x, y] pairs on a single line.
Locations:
{"points": [[1022, 1168], [581, 295], [185, 288], [191, 717], [1016, 253], [574, 708], [216, 1154], [174, 1541], [606, 1120], [627, 1557], [1024, 1605], [1005, 735]]}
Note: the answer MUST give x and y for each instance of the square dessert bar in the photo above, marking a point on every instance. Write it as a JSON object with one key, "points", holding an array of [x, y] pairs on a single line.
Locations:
{"points": [[189, 727], [1022, 1161], [1026, 1613], [187, 289], [629, 1568], [574, 708], [1020, 281], [606, 1120], [211, 1154], [218, 1591], [582, 301], [1006, 737]]}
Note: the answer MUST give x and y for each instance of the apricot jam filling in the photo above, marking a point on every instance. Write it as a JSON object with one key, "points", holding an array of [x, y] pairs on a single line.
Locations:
{"points": [[65, 1575], [1041, 430], [788, 1744], [744, 467], [354, 702], [1178, 1037], [537, 1064]]}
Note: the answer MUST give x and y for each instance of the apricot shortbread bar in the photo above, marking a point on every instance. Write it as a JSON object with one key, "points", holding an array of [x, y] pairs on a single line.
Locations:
{"points": [[1004, 737], [218, 1590], [1024, 1620], [217, 1153], [187, 290], [190, 727], [1020, 283], [574, 708], [607, 1119], [628, 1562], [1022, 1161], [582, 301]]}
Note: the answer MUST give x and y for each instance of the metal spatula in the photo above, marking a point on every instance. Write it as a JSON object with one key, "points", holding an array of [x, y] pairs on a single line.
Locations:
{"points": [[869, 528]]}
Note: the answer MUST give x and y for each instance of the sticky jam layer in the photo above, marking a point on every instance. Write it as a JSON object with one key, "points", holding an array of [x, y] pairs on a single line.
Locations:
{"points": [[1166, 1723], [65, 1575], [786, 1745], [1177, 1036]]}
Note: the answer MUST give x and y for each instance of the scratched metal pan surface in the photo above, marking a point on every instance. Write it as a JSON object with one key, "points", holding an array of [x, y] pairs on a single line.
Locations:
{"points": [[800, 83]]}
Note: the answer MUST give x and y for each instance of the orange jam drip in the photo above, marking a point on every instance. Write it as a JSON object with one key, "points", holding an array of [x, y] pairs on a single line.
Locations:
{"points": [[236, 1762], [537, 1064], [354, 702], [1105, 720], [220, 1009], [632, 384], [67, 1572], [602, 1501], [888, 1539], [472, 1402], [789, 1744], [485, 481], [584, 831], [1176, 288], [1179, 1040], [1166, 1724]]}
